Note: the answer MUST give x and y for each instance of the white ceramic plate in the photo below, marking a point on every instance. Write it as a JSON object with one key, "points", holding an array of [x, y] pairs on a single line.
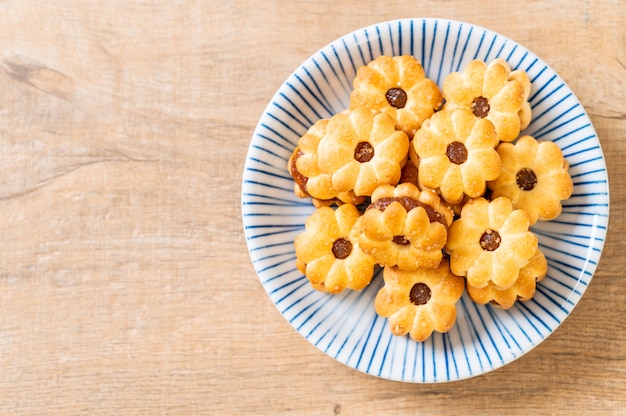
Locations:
{"points": [[345, 326]]}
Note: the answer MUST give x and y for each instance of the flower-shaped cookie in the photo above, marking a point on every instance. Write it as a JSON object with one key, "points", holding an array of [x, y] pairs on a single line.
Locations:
{"points": [[456, 154], [360, 151], [405, 227], [309, 180], [419, 302], [328, 252], [534, 177], [523, 289], [490, 242], [396, 86], [493, 92]]}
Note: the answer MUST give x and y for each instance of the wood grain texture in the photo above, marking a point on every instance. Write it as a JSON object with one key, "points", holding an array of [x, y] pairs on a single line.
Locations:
{"points": [[125, 284]]}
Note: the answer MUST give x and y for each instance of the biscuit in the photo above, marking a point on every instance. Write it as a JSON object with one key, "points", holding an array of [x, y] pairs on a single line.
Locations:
{"points": [[457, 154], [405, 227], [522, 290], [300, 181], [534, 177], [304, 167], [494, 92], [360, 151], [328, 251], [399, 87], [419, 302], [309, 180], [490, 242]]}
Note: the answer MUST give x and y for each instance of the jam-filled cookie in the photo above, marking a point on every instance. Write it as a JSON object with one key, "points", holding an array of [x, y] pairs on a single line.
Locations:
{"points": [[405, 227], [309, 180], [457, 154], [419, 302], [360, 151], [300, 188], [399, 87], [494, 92], [534, 176], [328, 251], [490, 242], [522, 290]]}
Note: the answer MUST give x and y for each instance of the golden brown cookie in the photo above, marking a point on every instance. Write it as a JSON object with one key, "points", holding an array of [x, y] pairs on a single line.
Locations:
{"points": [[457, 154], [405, 227], [399, 87], [300, 181], [490, 242], [328, 251], [534, 177], [360, 151], [523, 289], [419, 302], [303, 166], [493, 92], [309, 180]]}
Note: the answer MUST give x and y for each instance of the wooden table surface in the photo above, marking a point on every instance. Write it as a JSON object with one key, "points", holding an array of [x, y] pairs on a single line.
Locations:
{"points": [[125, 283]]}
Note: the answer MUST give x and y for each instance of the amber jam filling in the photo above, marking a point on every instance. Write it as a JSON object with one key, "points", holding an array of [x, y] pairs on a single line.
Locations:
{"points": [[401, 240], [526, 179], [480, 107], [396, 97], [457, 153], [364, 152], [420, 294], [342, 248], [490, 240], [408, 204], [299, 178]]}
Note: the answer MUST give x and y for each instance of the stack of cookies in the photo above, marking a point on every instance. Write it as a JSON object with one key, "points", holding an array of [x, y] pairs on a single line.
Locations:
{"points": [[435, 186]]}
